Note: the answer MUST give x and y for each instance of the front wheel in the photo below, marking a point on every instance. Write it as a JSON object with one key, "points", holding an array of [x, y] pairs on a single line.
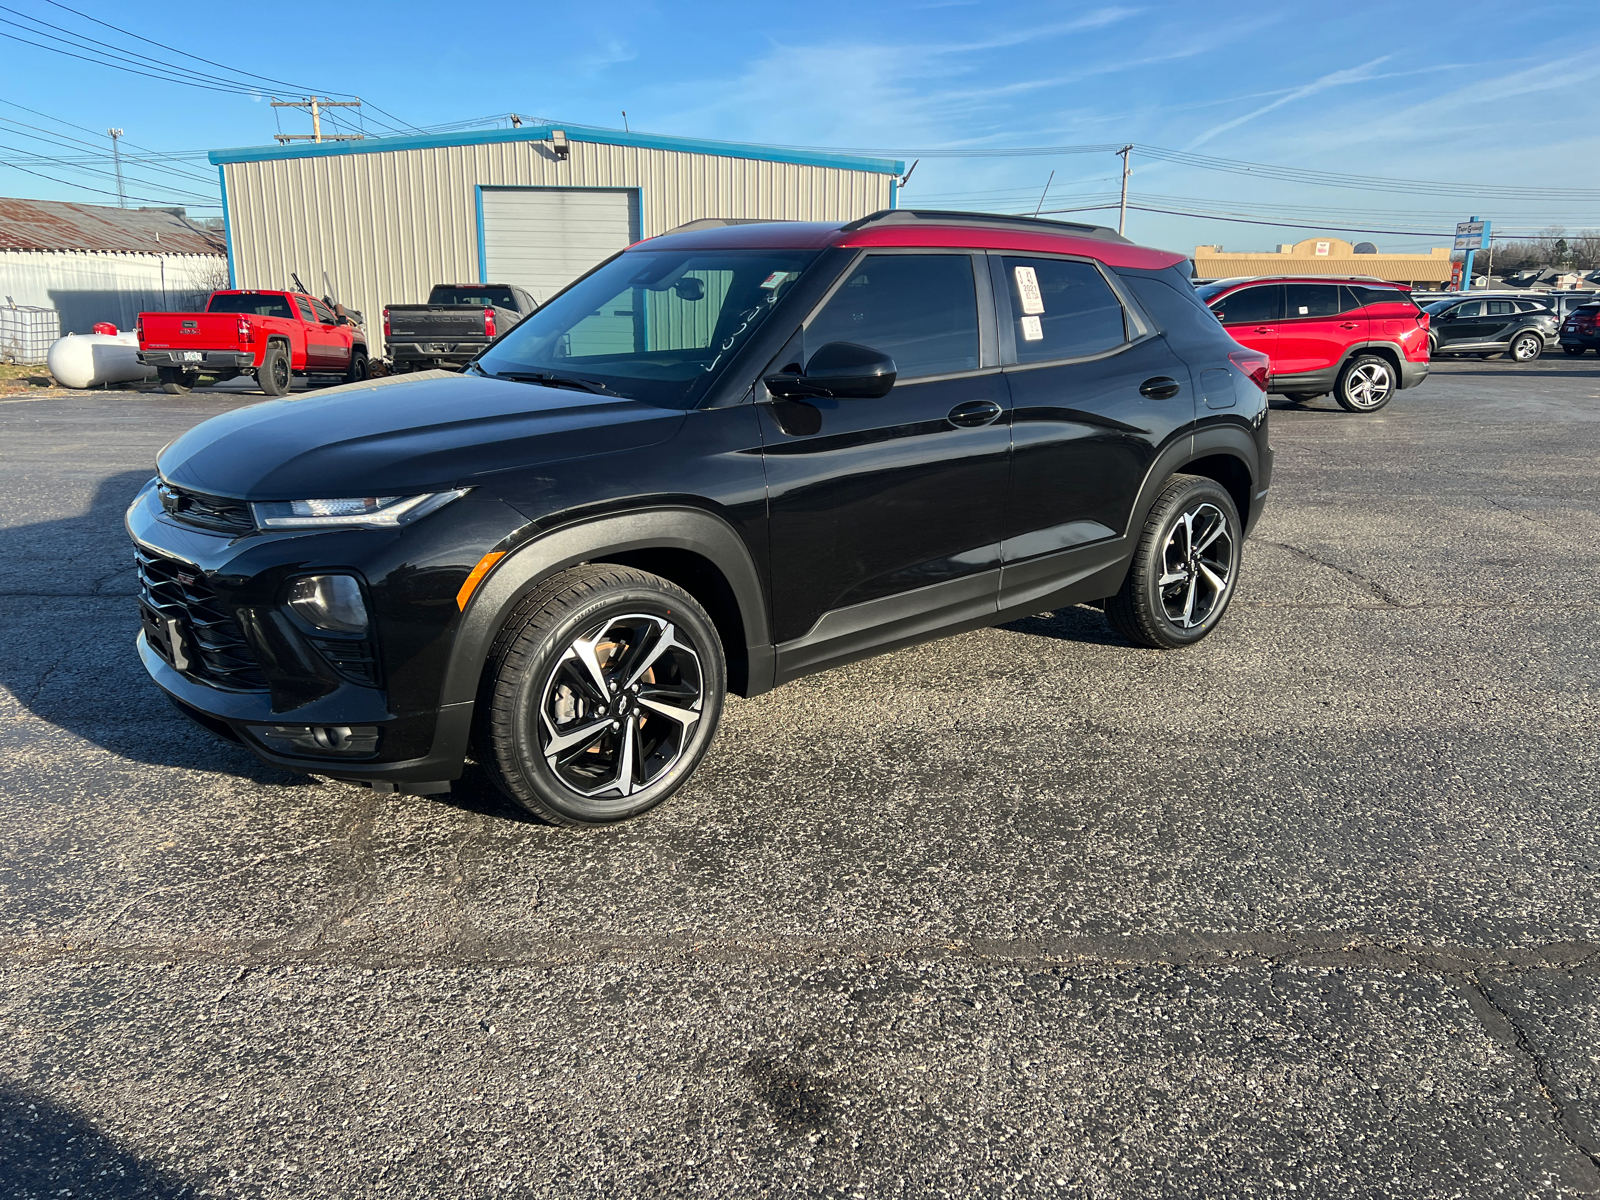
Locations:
{"points": [[1526, 347], [1366, 385], [601, 694], [1184, 569], [358, 367], [273, 373]]}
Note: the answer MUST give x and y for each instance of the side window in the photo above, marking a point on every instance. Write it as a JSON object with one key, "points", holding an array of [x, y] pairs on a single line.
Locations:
{"points": [[919, 309], [1062, 309], [1502, 308], [1360, 297], [324, 313], [1472, 308], [303, 309], [1528, 306], [1307, 300], [1250, 306]]}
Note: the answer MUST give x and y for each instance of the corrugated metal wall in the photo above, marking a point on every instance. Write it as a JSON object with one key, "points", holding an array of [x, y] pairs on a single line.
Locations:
{"points": [[387, 226], [87, 286]]}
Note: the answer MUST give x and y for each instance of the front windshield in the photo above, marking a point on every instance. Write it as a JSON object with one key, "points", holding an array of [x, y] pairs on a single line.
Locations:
{"points": [[652, 325]]}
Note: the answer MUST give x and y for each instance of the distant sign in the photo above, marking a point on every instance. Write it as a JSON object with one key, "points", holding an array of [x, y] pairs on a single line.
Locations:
{"points": [[1472, 235]]}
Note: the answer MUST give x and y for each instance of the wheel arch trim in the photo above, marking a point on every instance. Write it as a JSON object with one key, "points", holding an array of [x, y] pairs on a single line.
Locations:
{"points": [[523, 569]]}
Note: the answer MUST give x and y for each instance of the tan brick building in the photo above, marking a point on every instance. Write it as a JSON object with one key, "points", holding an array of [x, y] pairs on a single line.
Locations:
{"points": [[1326, 256]]}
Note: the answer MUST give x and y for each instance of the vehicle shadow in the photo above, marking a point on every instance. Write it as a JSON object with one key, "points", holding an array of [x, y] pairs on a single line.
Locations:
{"points": [[1079, 623], [47, 1150], [68, 618]]}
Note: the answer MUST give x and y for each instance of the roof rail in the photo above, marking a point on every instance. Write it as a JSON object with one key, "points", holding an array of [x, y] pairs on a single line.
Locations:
{"points": [[907, 216], [719, 222]]}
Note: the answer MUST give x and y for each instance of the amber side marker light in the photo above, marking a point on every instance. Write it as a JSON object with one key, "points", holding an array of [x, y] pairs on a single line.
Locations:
{"points": [[474, 579]]}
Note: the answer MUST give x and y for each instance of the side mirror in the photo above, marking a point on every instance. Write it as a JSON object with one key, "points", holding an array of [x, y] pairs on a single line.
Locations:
{"points": [[842, 370]]}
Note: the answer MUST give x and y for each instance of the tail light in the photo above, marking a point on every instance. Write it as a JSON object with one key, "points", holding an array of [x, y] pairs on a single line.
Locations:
{"points": [[247, 333], [488, 322], [1256, 366], [386, 322], [139, 326]]}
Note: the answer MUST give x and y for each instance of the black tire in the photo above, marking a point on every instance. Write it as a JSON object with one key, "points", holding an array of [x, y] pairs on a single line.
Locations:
{"points": [[1525, 347], [358, 369], [1164, 616], [273, 376], [173, 381], [1366, 384], [1575, 351], [539, 685], [1302, 397]]}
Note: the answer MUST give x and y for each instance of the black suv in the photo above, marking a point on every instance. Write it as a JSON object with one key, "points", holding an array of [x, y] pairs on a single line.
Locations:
{"points": [[725, 458], [1488, 326]]}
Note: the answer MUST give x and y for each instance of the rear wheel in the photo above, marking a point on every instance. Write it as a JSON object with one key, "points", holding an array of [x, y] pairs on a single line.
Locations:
{"points": [[601, 694], [358, 367], [1184, 569], [174, 382], [1366, 385], [273, 373], [1526, 347]]}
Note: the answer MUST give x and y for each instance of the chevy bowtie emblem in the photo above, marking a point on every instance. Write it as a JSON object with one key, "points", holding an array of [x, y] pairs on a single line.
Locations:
{"points": [[169, 498], [184, 577]]}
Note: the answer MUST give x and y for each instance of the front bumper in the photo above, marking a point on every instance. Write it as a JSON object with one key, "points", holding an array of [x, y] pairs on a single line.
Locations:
{"points": [[208, 360]]}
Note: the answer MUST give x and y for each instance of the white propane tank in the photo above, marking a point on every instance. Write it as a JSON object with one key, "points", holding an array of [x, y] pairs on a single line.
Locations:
{"points": [[82, 360]]}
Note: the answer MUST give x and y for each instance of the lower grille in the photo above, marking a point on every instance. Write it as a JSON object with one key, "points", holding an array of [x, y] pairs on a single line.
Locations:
{"points": [[217, 650]]}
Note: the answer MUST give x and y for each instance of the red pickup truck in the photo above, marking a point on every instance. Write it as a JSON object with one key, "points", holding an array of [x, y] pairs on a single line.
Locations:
{"points": [[270, 335]]}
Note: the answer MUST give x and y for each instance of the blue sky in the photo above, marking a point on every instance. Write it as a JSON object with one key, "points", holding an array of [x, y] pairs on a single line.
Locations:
{"points": [[1472, 93]]}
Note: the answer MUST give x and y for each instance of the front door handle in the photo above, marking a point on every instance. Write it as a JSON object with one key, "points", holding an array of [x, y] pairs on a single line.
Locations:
{"points": [[1349, 325], [1159, 388], [1265, 329], [974, 413]]}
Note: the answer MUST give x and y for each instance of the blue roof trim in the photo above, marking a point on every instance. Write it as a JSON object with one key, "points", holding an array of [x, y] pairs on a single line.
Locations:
{"points": [[575, 133]]}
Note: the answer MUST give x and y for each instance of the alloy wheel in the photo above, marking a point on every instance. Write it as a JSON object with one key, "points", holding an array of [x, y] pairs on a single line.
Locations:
{"points": [[1197, 566], [280, 373], [1525, 349], [619, 709], [1368, 385]]}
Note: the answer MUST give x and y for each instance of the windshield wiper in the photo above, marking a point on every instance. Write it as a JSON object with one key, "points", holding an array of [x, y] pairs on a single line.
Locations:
{"points": [[549, 380]]}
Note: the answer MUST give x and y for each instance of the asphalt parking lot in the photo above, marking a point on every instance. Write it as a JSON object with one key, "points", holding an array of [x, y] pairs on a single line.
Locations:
{"points": [[1312, 905]]}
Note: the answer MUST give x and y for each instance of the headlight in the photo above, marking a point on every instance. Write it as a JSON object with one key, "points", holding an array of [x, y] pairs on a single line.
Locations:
{"points": [[331, 602], [368, 512]]}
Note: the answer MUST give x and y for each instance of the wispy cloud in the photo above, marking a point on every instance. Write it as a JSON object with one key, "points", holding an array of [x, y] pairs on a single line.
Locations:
{"points": [[1333, 79]]}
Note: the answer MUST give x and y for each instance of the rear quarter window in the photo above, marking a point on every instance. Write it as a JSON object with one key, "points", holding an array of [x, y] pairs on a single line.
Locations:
{"points": [[1062, 309]]}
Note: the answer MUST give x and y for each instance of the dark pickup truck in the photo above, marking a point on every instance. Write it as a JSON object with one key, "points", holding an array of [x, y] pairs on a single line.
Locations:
{"points": [[456, 323]]}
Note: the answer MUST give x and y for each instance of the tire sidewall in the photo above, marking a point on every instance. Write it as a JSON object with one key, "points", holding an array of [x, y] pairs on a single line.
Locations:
{"points": [[1342, 391], [528, 692], [1194, 493], [359, 370], [264, 373]]}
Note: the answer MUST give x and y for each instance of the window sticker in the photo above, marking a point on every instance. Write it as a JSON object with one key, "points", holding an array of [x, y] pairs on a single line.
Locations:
{"points": [[1032, 327], [1304, 310], [777, 279], [1028, 290]]}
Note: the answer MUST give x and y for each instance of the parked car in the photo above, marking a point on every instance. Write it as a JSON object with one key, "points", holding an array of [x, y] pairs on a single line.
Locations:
{"points": [[723, 459], [1562, 303], [1360, 339], [1581, 330], [454, 326], [1489, 327], [272, 336]]}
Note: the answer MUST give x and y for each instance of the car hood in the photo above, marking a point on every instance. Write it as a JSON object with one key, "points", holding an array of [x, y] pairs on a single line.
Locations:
{"points": [[403, 435]]}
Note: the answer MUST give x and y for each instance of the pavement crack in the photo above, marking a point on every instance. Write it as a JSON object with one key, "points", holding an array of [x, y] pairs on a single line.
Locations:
{"points": [[1490, 500], [1501, 1026], [1376, 590]]}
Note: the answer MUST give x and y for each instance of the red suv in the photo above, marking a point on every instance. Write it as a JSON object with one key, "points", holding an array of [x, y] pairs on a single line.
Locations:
{"points": [[1360, 339]]}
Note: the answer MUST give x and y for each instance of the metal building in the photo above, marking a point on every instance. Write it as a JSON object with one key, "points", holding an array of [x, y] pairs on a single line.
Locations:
{"points": [[380, 221], [92, 263]]}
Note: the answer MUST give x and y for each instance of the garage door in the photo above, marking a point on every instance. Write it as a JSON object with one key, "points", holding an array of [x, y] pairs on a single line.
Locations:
{"points": [[544, 238]]}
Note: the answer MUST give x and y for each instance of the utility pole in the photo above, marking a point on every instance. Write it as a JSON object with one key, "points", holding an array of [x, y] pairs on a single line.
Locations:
{"points": [[316, 104], [1122, 211], [116, 159]]}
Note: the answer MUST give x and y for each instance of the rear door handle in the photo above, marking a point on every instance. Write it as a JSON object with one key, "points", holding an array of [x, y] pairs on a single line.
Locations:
{"points": [[1265, 329], [1349, 325], [974, 413], [1159, 388]]}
